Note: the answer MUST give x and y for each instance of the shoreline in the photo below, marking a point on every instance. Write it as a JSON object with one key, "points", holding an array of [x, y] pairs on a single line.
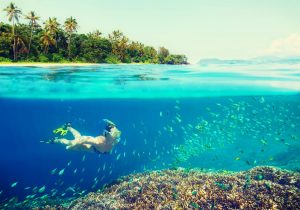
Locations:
{"points": [[37, 64]]}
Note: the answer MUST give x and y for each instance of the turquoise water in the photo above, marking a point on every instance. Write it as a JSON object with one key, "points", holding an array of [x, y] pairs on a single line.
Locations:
{"points": [[147, 81], [216, 117]]}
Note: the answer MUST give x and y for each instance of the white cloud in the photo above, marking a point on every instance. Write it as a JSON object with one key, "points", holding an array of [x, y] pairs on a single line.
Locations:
{"points": [[289, 46]]}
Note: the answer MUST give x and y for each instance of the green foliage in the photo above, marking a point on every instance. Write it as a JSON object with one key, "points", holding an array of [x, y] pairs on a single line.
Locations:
{"points": [[78, 60], [95, 50], [30, 59], [163, 53], [112, 59], [56, 57], [165, 57], [56, 42], [5, 59], [5, 46], [120, 44], [43, 58], [175, 59], [150, 55], [127, 59], [6, 41]]}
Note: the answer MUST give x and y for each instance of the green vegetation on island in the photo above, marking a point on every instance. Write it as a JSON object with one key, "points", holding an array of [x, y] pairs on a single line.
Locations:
{"points": [[52, 41]]}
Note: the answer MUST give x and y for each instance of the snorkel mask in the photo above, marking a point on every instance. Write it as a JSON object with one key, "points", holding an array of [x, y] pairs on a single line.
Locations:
{"points": [[109, 125]]}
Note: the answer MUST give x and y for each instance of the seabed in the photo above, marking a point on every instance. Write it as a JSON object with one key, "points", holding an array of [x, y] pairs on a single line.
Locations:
{"points": [[259, 188]]}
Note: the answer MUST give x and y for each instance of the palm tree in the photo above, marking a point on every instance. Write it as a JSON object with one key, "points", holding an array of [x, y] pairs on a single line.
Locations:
{"points": [[96, 34], [52, 26], [70, 27], [13, 14], [33, 23], [119, 44], [20, 45], [47, 40]]}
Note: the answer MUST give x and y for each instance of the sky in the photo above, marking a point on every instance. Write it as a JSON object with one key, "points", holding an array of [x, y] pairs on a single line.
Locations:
{"points": [[226, 29]]}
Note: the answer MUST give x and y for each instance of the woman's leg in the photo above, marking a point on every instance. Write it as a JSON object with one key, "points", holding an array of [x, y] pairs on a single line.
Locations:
{"points": [[63, 141], [82, 147], [74, 132]]}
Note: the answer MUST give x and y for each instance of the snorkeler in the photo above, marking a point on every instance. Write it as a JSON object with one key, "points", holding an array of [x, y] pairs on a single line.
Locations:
{"points": [[99, 144]]}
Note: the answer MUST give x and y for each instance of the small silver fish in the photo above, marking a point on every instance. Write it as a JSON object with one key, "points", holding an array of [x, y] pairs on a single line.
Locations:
{"points": [[177, 107], [104, 166], [262, 100], [44, 196], [53, 171], [42, 189], [70, 189], [61, 172], [14, 184], [35, 189], [178, 119]]}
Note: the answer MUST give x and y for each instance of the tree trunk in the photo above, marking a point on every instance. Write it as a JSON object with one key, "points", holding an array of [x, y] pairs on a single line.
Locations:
{"points": [[69, 47], [14, 44], [30, 41], [55, 38], [46, 49]]}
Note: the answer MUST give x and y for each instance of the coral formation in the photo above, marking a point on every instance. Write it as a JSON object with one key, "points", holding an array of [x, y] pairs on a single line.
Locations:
{"points": [[38, 203], [258, 188]]}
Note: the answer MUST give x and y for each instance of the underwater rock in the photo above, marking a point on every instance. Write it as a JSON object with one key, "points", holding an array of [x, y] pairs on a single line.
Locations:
{"points": [[258, 188]]}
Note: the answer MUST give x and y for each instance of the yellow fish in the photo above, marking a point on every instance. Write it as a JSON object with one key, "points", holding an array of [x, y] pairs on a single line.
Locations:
{"points": [[237, 158]]}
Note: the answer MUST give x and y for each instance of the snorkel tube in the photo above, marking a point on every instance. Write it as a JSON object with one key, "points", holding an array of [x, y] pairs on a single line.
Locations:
{"points": [[109, 125]]}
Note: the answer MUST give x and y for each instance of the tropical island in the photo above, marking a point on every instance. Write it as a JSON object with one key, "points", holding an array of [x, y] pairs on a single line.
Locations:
{"points": [[53, 42]]}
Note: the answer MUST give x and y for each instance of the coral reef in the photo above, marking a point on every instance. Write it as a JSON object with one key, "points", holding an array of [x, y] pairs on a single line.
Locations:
{"points": [[262, 187], [39, 203], [258, 188]]}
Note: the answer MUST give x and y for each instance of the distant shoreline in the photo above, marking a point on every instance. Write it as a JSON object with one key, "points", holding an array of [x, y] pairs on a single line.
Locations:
{"points": [[37, 64]]}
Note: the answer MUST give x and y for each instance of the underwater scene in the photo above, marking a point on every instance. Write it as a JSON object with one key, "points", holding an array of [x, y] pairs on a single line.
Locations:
{"points": [[179, 137]]}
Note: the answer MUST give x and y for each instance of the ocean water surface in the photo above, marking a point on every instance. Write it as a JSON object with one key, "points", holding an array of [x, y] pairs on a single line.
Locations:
{"points": [[215, 117]]}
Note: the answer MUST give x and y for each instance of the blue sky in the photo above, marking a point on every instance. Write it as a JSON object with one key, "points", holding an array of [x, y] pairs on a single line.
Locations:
{"points": [[198, 28]]}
